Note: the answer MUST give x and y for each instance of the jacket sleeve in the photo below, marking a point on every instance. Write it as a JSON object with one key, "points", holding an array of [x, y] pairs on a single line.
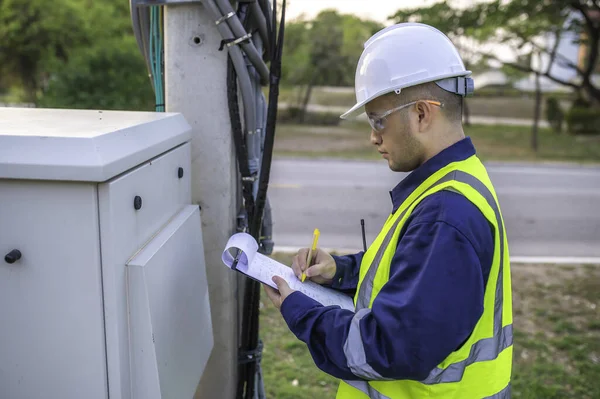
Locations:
{"points": [[347, 272], [427, 309]]}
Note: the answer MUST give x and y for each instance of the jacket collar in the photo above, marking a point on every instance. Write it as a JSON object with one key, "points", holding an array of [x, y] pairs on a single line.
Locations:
{"points": [[457, 152]]}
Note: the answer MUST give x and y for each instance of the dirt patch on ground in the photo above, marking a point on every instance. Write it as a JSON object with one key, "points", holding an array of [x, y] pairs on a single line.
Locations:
{"points": [[326, 145], [346, 130], [318, 140]]}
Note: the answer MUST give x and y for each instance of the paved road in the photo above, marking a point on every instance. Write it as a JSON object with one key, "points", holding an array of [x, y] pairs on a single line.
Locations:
{"points": [[549, 210]]}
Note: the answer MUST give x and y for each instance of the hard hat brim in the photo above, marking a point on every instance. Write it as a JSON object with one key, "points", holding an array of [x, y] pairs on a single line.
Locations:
{"points": [[358, 108], [355, 111]]}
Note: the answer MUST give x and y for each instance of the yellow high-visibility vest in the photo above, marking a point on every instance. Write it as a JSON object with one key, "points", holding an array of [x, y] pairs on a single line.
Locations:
{"points": [[481, 367]]}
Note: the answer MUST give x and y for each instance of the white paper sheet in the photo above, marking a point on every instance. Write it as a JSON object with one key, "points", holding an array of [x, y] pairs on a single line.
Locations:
{"points": [[263, 268]]}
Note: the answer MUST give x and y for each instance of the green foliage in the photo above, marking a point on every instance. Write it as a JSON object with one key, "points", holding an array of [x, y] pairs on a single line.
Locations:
{"points": [[441, 15], [524, 25], [455, 23], [583, 121], [355, 32], [112, 76], [515, 21], [72, 53], [554, 114], [324, 51], [295, 52], [81, 53], [326, 38], [35, 32], [580, 102]]}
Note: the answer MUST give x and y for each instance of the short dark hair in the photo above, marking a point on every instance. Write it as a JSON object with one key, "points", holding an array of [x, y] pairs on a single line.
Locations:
{"points": [[453, 103]]}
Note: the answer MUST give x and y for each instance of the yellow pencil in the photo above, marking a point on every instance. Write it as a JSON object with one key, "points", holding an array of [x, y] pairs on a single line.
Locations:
{"points": [[313, 248]]}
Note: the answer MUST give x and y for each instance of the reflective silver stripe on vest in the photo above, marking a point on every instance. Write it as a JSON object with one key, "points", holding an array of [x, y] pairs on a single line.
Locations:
{"points": [[503, 394], [354, 350], [367, 389], [483, 350], [366, 288]]}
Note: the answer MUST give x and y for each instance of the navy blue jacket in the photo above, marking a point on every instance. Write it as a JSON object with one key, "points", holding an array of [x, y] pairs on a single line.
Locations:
{"points": [[434, 296]]}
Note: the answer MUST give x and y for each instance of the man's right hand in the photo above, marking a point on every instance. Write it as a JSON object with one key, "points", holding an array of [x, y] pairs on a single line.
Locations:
{"points": [[321, 272]]}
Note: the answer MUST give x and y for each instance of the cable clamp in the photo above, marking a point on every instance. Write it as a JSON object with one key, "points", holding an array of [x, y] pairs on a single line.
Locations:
{"points": [[251, 356], [224, 18], [239, 40]]}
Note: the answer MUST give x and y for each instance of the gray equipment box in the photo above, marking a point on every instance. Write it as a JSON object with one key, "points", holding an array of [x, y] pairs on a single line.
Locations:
{"points": [[103, 290]]}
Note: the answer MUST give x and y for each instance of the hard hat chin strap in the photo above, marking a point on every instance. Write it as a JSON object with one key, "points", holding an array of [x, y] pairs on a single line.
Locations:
{"points": [[460, 85]]}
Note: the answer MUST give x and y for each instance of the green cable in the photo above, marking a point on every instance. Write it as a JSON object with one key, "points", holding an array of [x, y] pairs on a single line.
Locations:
{"points": [[156, 48], [159, 61]]}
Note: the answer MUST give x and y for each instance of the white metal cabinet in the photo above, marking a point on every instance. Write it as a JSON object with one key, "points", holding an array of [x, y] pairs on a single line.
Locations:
{"points": [[69, 321], [51, 324], [124, 230], [169, 348]]}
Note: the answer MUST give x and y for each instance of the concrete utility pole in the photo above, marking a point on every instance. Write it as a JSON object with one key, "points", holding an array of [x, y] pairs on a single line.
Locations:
{"points": [[195, 75]]}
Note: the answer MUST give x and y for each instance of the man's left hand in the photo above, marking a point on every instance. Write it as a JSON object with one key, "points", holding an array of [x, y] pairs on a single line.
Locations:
{"points": [[278, 297]]}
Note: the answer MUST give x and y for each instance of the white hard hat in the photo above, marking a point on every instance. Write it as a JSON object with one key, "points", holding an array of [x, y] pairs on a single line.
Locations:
{"points": [[405, 55]]}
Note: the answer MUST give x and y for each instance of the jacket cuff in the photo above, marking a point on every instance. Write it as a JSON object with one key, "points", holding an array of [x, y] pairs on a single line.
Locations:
{"points": [[342, 280], [340, 271]]}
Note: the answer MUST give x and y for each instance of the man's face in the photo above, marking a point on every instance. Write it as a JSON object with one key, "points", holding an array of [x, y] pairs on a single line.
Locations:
{"points": [[396, 141]]}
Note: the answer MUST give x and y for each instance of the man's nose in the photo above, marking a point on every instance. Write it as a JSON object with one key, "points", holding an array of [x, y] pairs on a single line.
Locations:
{"points": [[374, 138]]}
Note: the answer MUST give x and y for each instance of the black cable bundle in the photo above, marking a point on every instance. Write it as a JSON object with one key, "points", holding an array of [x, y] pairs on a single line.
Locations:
{"points": [[238, 137], [250, 342]]}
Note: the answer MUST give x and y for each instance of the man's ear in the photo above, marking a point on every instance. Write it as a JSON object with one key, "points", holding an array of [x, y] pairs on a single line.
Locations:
{"points": [[425, 114]]}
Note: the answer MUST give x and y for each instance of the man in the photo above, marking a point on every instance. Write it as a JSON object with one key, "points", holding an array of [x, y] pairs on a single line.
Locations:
{"points": [[433, 315]]}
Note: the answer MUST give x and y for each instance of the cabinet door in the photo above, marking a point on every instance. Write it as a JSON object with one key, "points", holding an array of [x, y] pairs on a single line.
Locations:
{"points": [[51, 314], [170, 326], [125, 226]]}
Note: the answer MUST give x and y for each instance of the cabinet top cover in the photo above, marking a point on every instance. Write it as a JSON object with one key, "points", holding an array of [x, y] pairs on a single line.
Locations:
{"points": [[83, 145]]}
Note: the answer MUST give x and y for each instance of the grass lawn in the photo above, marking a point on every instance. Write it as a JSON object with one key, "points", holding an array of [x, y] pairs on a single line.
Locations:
{"points": [[556, 350], [493, 143]]}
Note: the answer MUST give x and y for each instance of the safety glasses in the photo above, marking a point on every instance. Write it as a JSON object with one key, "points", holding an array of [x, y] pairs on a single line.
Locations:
{"points": [[378, 122]]}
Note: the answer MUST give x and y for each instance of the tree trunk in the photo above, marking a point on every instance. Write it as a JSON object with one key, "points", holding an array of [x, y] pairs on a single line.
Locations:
{"points": [[307, 94], [29, 81], [299, 94], [592, 36], [536, 113], [30, 87]]}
